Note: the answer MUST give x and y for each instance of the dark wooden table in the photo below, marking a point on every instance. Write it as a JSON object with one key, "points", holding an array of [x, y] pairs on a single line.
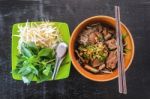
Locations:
{"points": [[134, 13]]}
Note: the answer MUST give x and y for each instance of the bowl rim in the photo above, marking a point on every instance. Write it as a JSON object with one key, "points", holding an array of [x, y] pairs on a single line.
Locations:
{"points": [[70, 48]]}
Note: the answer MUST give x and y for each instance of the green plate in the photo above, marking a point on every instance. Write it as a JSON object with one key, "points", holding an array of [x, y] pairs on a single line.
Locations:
{"points": [[64, 69]]}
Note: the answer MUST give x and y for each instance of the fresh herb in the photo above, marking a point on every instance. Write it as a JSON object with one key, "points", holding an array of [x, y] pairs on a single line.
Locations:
{"points": [[103, 57], [124, 36], [34, 62], [126, 50], [101, 38]]}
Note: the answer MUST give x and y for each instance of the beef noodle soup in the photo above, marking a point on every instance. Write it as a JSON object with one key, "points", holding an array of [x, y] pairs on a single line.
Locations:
{"points": [[96, 48]]}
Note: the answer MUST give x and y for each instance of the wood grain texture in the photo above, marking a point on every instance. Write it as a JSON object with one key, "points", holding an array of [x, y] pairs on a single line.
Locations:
{"points": [[134, 13]]}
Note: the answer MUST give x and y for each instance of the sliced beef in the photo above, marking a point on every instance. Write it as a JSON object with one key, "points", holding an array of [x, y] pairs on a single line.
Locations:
{"points": [[104, 31], [111, 60], [92, 38], [83, 39], [96, 63], [106, 34], [100, 28], [112, 31], [111, 44], [87, 36]]}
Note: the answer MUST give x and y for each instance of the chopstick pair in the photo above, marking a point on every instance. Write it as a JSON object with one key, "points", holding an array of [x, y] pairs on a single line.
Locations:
{"points": [[121, 68]]}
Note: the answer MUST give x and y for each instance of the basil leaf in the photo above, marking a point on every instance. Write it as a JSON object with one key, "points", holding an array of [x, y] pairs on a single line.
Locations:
{"points": [[33, 59], [25, 80], [44, 52], [42, 78], [34, 70], [30, 76], [22, 69], [26, 52], [33, 47], [47, 70], [27, 71], [32, 64]]}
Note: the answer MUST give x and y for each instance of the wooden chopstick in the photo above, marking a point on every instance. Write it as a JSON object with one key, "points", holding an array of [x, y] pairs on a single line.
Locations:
{"points": [[118, 51], [122, 57], [121, 69]]}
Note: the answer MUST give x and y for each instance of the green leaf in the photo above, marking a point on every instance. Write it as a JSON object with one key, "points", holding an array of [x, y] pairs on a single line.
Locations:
{"points": [[25, 80], [101, 38], [52, 54], [25, 70], [126, 50], [42, 78], [33, 47], [103, 57], [30, 76], [44, 63], [25, 63], [37, 65], [33, 59], [21, 58], [44, 52], [22, 69], [124, 36], [34, 70], [47, 70], [25, 51]]}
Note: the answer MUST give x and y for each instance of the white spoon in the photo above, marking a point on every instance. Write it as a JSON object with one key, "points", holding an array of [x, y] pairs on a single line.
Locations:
{"points": [[60, 55]]}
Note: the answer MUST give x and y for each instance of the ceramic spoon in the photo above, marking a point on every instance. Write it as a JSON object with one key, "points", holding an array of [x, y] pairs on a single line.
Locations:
{"points": [[60, 55]]}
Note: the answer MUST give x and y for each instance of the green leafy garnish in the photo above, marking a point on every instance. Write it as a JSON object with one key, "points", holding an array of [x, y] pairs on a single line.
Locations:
{"points": [[126, 50], [47, 70], [34, 62], [25, 51], [124, 36]]}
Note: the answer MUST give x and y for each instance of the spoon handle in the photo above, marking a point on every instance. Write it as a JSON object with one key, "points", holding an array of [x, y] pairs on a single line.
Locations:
{"points": [[57, 66]]}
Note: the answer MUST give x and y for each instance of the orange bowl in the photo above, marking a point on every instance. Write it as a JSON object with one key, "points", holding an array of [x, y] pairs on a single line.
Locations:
{"points": [[110, 21]]}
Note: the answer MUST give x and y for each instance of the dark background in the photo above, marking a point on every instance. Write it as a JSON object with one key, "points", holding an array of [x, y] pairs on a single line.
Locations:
{"points": [[134, 13]]}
